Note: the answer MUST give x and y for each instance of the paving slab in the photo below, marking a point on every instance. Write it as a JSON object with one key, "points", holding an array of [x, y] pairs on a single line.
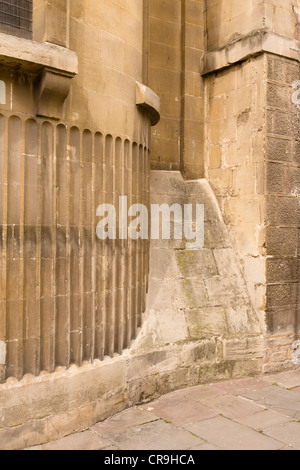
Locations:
{"points": [[199, 392], [157, 435], [180, 410], [273, 395], [123, 421], [86, 440], [264, 420], [288, 433], [290, 379], [232, 387], [240, 386], [277, 399], [228, 435], [232, 407]]}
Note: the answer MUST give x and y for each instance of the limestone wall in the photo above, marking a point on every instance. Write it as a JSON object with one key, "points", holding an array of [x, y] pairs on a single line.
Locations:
{"points": [[74, 133], [71, 138], [283, 17], [199, 327], [252, 138], [176, 45], [230, 20], [235, 163], [282, 218]]}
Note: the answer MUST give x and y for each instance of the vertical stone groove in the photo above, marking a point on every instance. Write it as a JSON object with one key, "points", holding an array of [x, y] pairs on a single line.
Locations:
{"points": [[66, 296]]}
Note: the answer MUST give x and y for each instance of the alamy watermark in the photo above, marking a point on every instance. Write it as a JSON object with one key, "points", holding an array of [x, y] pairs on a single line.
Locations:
{"points": [[136, 223], [296, 353], [296, 94]]}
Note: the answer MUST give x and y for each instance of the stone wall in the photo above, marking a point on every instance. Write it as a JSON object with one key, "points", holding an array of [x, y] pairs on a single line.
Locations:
{"points": [[229, 21], [75, 116], [283, 17], [235, 163], [282, 197], [199, 327], [252, 138], [176, 47]]}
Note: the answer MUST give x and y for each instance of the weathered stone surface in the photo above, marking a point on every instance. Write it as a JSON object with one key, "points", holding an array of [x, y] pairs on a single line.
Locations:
{"points": [[86, 440], [223, 283], [227, 310], [226, 434], [278, 399], [34, 54], [289, 380], [145, 438], [231, 407], [263, 420], [128, 419], [177, 409], [288, 433]]}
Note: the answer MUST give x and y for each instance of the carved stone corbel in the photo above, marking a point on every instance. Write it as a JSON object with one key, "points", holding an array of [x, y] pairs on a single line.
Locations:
{"points": [[52, 90], [149, 101]]}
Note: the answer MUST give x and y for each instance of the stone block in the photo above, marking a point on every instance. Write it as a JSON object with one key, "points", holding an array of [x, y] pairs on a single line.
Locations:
{"points": [[279, 96], [283, 211], [234, 349], [225, 438], [145, 438], [232, 407], [292, 181], [282, 320], [282, 241], [263, 420], [206, 321], [287, 433], [85, 440], [121, 422], [27, 435], [150, 364], [279, 149], [282, 294], [282, 270]]}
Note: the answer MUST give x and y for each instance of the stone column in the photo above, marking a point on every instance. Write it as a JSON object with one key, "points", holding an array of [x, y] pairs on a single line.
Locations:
{"points": [[251, 69]]}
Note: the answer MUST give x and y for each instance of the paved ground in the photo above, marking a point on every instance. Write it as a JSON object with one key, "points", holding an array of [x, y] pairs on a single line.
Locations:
{"points": [[249, 414]]}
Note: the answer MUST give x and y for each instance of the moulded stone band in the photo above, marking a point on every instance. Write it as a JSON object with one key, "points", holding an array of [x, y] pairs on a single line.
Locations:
{"points": [[150, 101], [249, 46], [34, 55]]}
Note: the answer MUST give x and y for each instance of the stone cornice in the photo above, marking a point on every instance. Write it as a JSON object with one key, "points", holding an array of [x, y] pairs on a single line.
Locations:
{"points": [[52, 67], [257, 43], [34, 55]]}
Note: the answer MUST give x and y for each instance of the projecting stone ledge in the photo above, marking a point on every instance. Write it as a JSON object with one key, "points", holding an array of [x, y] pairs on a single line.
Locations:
{"points": [[34, 55], [149, 101], [256, 43], [51, 66]]}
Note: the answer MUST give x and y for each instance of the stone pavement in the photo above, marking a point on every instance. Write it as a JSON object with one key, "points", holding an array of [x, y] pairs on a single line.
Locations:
{"points": [[248, 414]]}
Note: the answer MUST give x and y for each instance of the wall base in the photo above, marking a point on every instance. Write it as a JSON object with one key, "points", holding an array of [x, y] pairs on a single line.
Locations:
{"points": [[199, 327]]}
